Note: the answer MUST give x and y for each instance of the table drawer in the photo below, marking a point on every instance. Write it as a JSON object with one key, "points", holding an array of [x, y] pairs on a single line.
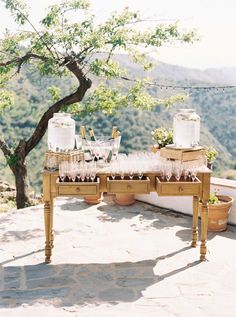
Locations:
{"points": [[78, 188], [181, 188], [132, 186]]}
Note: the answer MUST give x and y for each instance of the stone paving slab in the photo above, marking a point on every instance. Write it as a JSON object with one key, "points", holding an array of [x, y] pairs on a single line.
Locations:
{"points": [[110, 260]]}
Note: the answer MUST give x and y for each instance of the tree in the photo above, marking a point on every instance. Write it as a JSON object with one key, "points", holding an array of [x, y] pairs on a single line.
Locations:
{"points": [[83, 49]]}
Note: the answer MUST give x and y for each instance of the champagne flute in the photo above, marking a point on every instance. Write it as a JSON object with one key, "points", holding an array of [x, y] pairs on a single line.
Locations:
{"points": [[168, 171], [113, 171], [82, 175], [88, 175], [122, 174], [140, 172], [131, 173], [193, 174], [177, 170], [163, 171], [62, 171], [185, 173], [93, 173]]}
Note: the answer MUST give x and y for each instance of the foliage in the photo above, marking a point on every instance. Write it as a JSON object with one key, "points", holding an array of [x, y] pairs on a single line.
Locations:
{"points": [[58, 41], [6, 97], [213, 200], [12, 159], [162, 136], [55, 93], [211, 153]]}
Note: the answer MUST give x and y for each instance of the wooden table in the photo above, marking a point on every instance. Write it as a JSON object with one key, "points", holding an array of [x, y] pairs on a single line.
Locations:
{"points": [[151, 182]]}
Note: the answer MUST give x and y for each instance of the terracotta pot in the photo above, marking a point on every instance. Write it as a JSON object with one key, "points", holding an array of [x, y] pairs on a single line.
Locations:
{"points": [[219, 213], [93, 199], [124, 199]]}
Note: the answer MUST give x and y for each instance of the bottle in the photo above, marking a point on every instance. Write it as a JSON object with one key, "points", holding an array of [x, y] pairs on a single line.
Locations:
{"points": [[83, 134], [109, 156], [92, 136], [113, 132], [117, 134], [85, 146], [116, 145]]}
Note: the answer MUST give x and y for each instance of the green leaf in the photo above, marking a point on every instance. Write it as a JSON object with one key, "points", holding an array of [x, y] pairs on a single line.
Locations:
{"points": [[6, 99], [55, 93], [18, 9]]}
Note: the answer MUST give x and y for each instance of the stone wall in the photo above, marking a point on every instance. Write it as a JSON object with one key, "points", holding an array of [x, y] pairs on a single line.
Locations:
{"points": [[7, 196]]}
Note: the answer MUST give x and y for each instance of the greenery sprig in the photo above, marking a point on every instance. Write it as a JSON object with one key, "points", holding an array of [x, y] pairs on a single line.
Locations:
{"points": [[211, 153]]}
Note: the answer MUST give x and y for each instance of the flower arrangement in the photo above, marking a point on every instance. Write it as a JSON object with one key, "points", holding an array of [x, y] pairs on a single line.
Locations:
{"points": [[211, 154], [162, 136]]}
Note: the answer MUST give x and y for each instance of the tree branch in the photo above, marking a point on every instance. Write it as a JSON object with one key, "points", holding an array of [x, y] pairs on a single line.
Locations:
{"points": [[74, 68], [5, 148], [21, 60]]}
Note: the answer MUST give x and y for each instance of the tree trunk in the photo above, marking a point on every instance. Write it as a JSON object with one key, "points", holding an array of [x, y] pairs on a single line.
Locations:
{"points": [[18, 166], [22, 184]]}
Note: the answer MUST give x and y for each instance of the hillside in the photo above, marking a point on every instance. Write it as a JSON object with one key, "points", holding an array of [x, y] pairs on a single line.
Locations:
{"points": [[216, 108]]}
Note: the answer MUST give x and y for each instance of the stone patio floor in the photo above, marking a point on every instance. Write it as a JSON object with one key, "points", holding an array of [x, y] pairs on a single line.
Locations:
{"points": [[114, 261]]}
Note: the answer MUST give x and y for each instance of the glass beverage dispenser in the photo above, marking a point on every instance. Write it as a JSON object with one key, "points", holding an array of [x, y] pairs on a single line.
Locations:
{"points": [[186, 128], [61, 132]]}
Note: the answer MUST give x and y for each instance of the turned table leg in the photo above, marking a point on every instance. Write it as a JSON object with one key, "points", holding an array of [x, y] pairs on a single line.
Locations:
{"points": [[195, 221], [51, 224], [204, 220], [48, 228]]}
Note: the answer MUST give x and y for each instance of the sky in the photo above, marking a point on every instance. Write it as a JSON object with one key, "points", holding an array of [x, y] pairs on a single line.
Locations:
{"points": [[214, 20]]}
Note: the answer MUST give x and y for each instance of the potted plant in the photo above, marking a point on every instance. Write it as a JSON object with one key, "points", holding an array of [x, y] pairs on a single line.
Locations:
{"points": [[162, 137], [211, 154], [219, 209]]}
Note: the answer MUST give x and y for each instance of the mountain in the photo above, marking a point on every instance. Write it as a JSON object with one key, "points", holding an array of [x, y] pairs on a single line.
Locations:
{"points": [[224, 75], [171, 72], [217, 109]]}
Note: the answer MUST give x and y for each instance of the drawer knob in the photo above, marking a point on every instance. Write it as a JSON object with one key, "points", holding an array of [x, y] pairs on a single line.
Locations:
{"points": [[180, 189], [78, 189], [129, 186]]}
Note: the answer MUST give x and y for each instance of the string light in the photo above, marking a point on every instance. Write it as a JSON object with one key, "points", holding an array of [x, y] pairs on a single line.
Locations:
{"points": [[192, 87], [174, 87]]}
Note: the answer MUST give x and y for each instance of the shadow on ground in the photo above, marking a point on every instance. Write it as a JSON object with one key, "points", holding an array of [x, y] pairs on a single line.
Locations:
{"points": [[185, 234], [159, 217], [70, 284], [14, 235], [74, 205]]}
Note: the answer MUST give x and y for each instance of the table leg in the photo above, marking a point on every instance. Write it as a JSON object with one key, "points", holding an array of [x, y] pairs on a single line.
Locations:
{"points": [[51, 224], [47, 223], [204, 220], [195, 221]]}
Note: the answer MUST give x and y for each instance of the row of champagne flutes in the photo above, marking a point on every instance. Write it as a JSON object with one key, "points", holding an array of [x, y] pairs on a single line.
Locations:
{"points": [[77, 171], [177, 170], [129, 167], [133, 165], [136, 164]]}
